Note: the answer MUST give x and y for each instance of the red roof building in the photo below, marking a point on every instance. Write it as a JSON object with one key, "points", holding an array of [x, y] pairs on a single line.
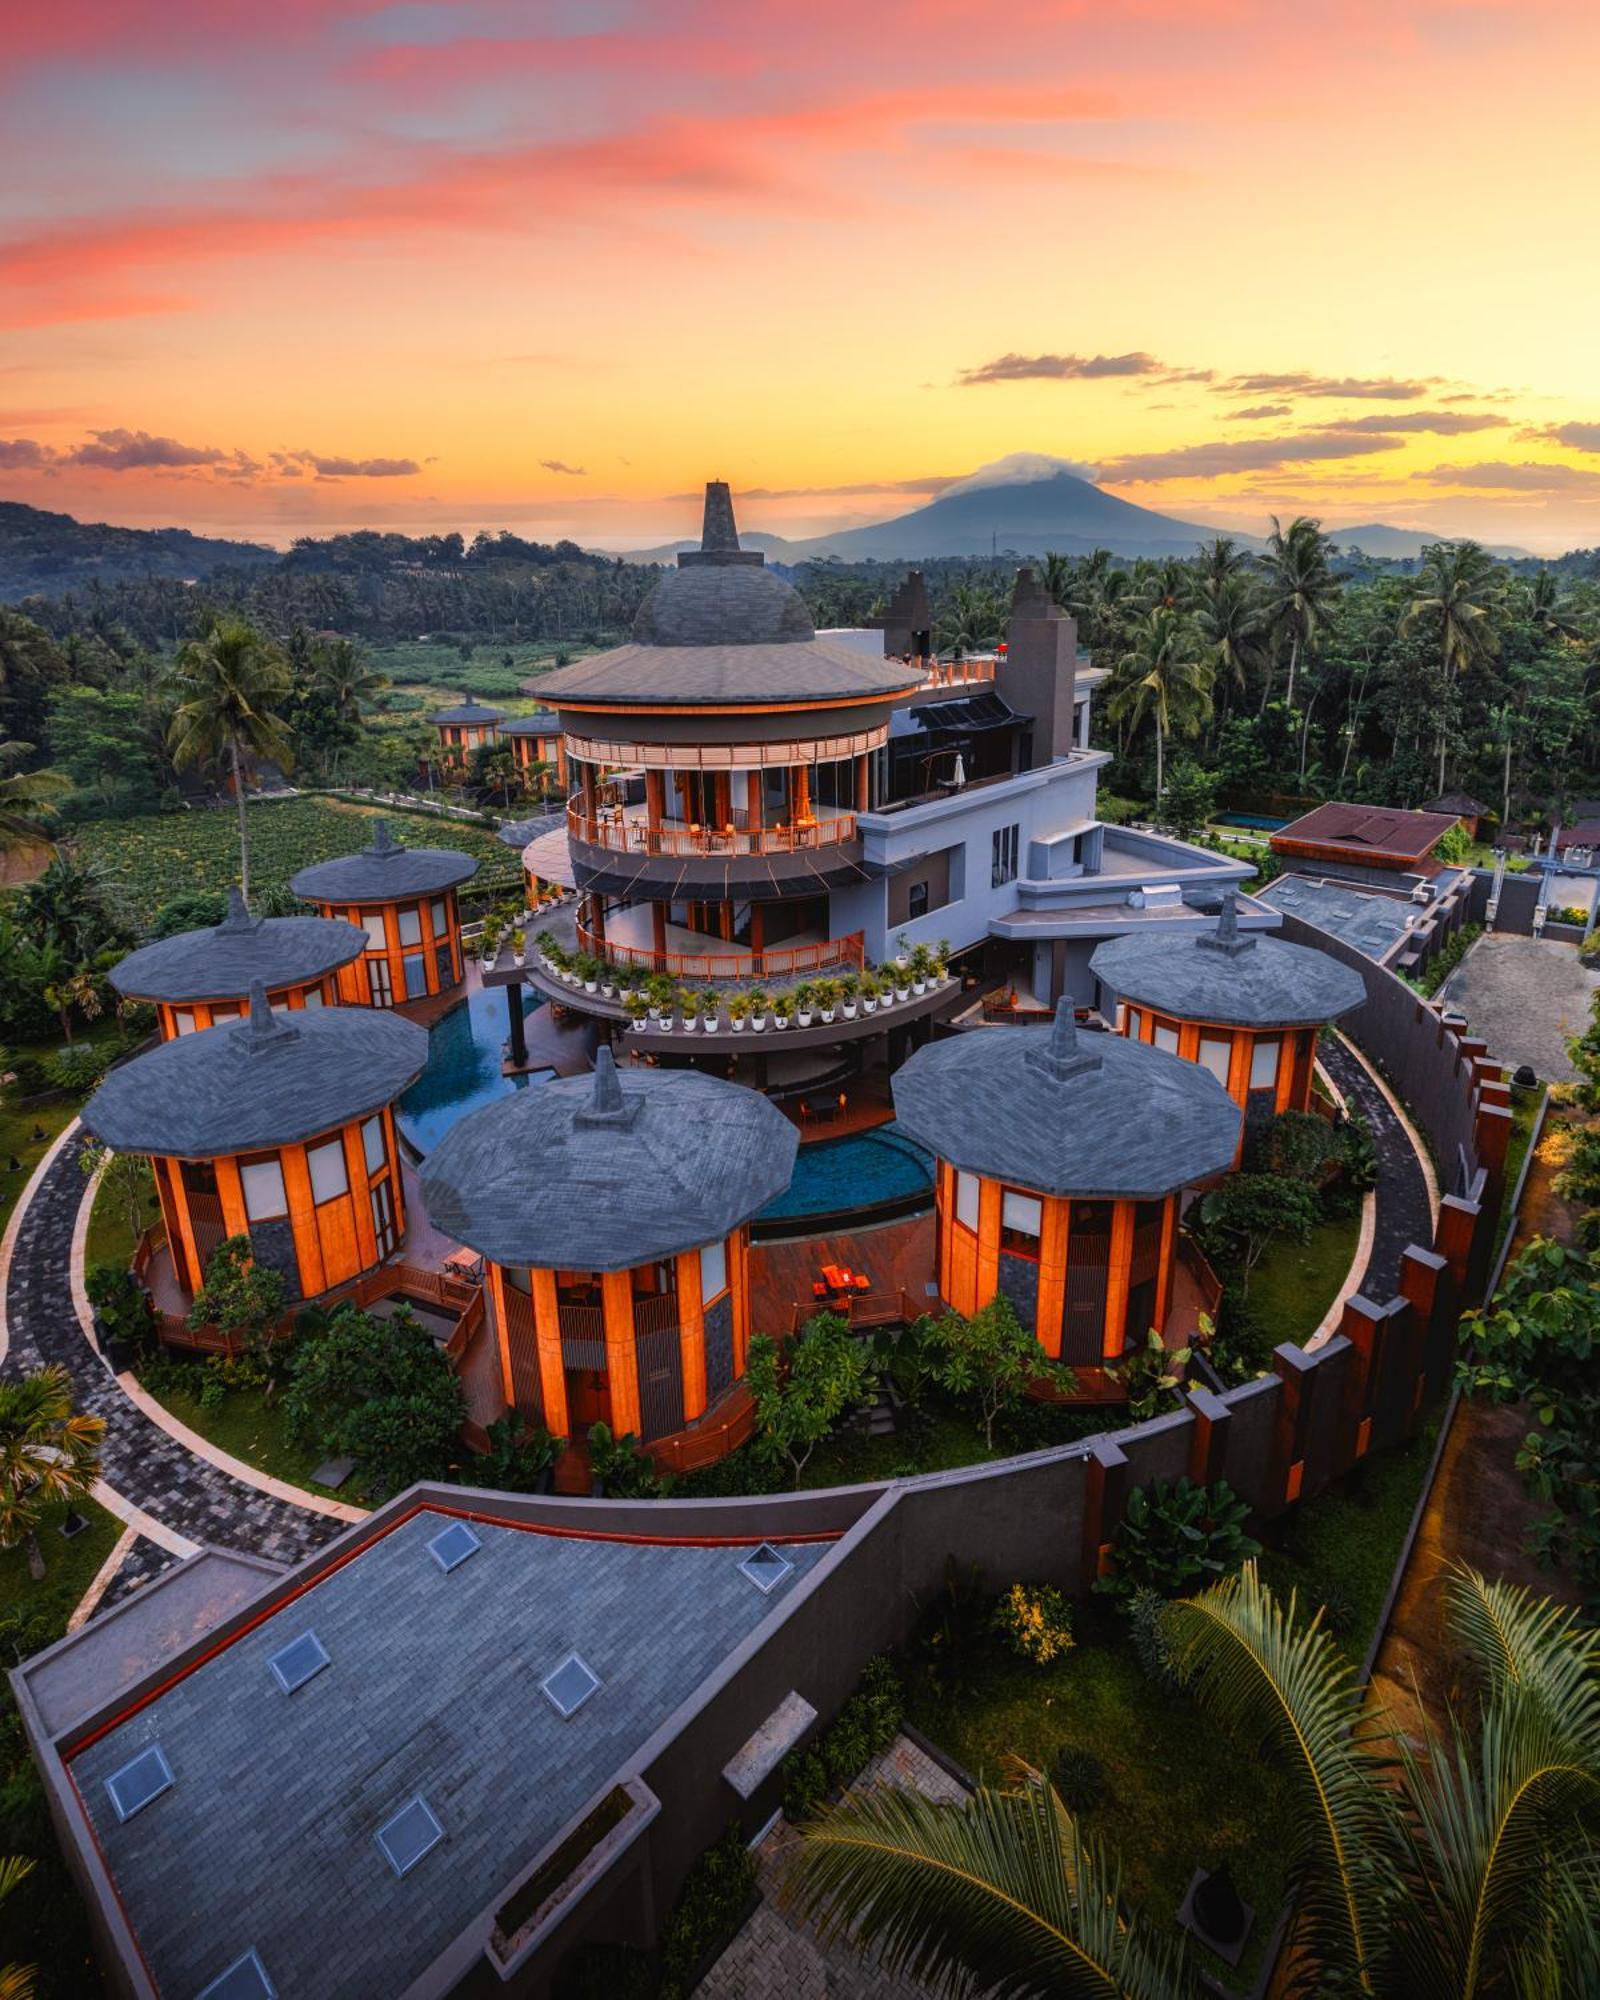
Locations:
{"points": [[1375, 837]]}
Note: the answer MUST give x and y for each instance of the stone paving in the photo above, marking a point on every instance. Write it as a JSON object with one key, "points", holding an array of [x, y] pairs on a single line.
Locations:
{"points": [[138, 1459], [1404, 1214], [777, 1956], [1525, 996]]}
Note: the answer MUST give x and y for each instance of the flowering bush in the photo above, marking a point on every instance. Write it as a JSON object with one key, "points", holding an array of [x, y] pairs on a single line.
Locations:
{"points": [[1035, 1621]]}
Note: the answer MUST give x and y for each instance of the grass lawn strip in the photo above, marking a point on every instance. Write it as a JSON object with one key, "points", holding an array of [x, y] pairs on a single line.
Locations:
{"points": [[1295, 1283]]}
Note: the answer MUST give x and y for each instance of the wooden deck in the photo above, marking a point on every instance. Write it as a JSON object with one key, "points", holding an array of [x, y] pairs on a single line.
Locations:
{"points": [[897, 1257]]}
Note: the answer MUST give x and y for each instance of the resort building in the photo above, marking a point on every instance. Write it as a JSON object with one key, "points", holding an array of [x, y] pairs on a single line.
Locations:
{"points": [[279, 1128], [199, 978], [1246, 1008], [1061, 1157], [466, 727], [536, 741], [404, 900], [1375, 844], [612, 1213]]}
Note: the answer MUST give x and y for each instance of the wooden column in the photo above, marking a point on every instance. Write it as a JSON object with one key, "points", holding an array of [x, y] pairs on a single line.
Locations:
{"points": [[739, 1281], [495, 1280], [658, 938], [391, 1149], [622, 1367], [655, 808], [303, 1219], [863, 784], [180, 1229], [1121, 1259], [1169, 1244], [721, 802], [552, 1367], [393, 952], [1051, 1311], [752, 800], [587, 790], [230, 1192], [802, 793], [355, 1172], [691, 1335], [988, 1242]]}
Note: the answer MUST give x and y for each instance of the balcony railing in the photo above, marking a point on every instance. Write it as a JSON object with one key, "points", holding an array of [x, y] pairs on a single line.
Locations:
{"points": [[957, 673], [778, 963], [614, 828]]}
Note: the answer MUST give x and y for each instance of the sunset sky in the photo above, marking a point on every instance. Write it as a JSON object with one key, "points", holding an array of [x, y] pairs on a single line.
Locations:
{"points": [[273, 266]]}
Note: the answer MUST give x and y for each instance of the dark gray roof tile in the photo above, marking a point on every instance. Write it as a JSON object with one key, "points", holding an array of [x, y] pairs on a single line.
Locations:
{"points": [[384, 871], [225, 961]]}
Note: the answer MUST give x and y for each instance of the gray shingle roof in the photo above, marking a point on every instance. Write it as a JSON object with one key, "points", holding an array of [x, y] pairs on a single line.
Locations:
{"points": [[383, 871], [1245, 981], [224, 961], [1096, 1115], [723, 628], [540, 722], [271, 1080], [601, 1173], [467, 711]]}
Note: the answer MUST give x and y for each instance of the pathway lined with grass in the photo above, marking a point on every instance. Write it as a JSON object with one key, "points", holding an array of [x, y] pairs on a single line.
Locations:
{"points": [[1404, 1207]]}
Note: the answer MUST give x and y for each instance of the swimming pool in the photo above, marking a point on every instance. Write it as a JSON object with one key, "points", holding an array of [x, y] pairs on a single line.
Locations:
{"points": [[463, 1069], [841, 1176], [1257, 821]]}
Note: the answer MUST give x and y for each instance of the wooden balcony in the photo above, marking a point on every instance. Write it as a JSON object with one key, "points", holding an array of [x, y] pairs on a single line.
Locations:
{"points": [[731, 961], [627, 830]]}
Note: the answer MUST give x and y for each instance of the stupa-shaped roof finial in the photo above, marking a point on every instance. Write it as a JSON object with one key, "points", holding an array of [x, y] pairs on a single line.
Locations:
{"points": [[383, 841], [607, 1105], [719, 532], [1226, 937], [1063, 1054], [262, 1028], [238, 917]]}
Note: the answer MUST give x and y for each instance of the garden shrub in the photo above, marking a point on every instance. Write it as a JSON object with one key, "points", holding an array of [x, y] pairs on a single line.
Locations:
{"points": [[77, 1068], [1079, 1778], [1175, 1538], [713, 1899], [378, 1391], [518, 1457], [1147, 1628], [865, 1726], [1035, 1621], [621, 1466]]}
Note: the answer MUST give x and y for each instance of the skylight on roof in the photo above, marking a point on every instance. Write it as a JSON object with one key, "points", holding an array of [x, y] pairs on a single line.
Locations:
{"points": [[245, 1979], [765, 1568], [451, 1546], [412, 1833], [298, 1662], [142, 1779], [570, 1685]]}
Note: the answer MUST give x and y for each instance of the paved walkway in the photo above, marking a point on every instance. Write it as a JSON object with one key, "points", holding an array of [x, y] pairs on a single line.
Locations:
{"points": [[777, 1956], [1404, 1212], [1525, 996], [139, 1461]]}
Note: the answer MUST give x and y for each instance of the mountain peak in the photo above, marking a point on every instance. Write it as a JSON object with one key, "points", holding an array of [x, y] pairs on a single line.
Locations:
{"points": [[1020, 468]]}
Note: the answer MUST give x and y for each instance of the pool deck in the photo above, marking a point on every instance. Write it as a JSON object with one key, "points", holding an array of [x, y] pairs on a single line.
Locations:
{"points": [[896, 1256]]}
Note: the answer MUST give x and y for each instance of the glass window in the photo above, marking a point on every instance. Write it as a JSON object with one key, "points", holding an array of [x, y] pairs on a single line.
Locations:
{"points": [[1264, 1063], [183, 1020], [1166, 1038], [441, 915], [328, 1176], [1216, 1055], [444, 965], [312, 997], [380, 987], [382, 1199], [917, 901], [713, 1270], [410, 920], [1003, 855], [377, 936], [264, 1196], [1135, 1024], [416, 974], [1021, 1219], [967, 1200], [225, 1010], [372, 1144]]}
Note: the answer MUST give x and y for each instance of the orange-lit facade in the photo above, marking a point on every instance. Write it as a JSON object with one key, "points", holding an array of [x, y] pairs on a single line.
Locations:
{"points": [[189, 1016], [322, 1211], [1088, 1276], [1264, 1070], [646, 1350], [413, 949]]}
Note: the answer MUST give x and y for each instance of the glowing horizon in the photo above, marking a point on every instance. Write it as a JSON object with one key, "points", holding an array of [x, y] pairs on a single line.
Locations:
{"points": [[550, 265]]}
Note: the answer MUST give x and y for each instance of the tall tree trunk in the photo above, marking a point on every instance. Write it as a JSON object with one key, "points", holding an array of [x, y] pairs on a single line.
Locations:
{"points": [[1305, 736], [1294, 662], [1160, 763], [35, 1557], [244, 834], [1505, 792]]}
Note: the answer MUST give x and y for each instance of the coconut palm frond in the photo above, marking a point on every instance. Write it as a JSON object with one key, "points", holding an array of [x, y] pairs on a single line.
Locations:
{"points": [[1564, 1957], [1003, 1894], [1522, 1641], [1272, 1681]]}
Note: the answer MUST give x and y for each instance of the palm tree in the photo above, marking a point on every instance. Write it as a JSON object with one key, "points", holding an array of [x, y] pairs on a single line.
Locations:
{"points": [[228, 686], [1301, 588], [48, 1452], [17, 1982], [1164, 675], [1458, 591], [1463, 1870], [1231, 624], [343, 676], [27, 799], [973, 620]]}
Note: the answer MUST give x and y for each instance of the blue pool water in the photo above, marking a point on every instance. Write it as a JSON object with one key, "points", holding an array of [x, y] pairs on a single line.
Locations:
{"points": [[834, 1176], [463, 1068], [1257, 821]]}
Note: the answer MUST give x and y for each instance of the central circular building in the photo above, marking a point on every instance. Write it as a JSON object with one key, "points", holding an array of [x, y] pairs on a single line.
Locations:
{"points": [[198, 978], [612, 1211], [404, 899], [1060, 1160], [279, 1128]]}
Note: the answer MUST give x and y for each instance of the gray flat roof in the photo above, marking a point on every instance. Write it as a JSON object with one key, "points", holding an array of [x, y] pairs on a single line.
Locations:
{"points": [[383, 871], [266, 1838], [1220, 975], [603, 1172], [225, 960], [1066, 1113], [269, 1080], [1373, 923]]}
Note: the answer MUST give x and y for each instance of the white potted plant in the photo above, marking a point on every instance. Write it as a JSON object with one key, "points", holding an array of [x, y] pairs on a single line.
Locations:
{"points": [[710, 1004], [849, 991], [519, 945], [591, 975], [689, 1011], [759, 1003], [634, 1007], [782, 1008], [803, 994], [921, 965], [902, 952], [869, 993], [827, 999], [738, 1012]]}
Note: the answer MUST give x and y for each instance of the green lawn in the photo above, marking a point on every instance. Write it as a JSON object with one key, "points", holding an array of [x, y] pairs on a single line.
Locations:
{"points": [[1524, 1115], [1295, 1283], [157, 856], [246, 1425], [110, 1240], [70, 1567], [493, 670], [1177, 1796], [26, 1136]]}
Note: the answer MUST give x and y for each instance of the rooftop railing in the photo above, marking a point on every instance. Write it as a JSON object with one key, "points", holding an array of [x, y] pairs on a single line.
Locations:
{"points": [[777, 963], [626, 832]]}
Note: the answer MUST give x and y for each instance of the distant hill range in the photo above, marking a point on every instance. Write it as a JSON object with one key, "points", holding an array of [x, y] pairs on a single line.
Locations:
{"points": [[44, 554], [1405, 544]]}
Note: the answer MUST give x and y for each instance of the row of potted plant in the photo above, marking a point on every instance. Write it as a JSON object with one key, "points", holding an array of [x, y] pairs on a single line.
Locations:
{"points": [[653, 999]]}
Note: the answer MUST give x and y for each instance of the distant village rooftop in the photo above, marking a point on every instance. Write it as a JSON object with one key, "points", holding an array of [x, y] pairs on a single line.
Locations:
{"points": [[1065, 1113], [468, 711], [722, 628], [270, 1080], [1238, 979], [609, 1171], [226, 960], [384, 871]]}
